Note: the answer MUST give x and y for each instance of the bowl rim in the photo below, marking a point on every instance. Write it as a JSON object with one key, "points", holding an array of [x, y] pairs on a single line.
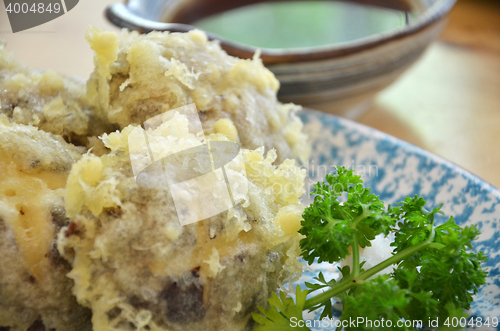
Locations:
{"points": [[122, 16]]}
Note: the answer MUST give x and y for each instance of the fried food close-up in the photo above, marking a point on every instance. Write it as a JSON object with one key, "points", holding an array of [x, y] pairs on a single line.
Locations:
{"points": [[138, 268], [47, 100], [169, 188], [84, 247], [139, 76], [34, 289]]}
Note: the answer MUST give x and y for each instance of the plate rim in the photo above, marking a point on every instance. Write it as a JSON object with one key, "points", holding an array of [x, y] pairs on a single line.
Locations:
{"points": [[383, 135]]}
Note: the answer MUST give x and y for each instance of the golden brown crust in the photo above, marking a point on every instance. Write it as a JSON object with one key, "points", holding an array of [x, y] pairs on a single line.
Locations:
{"points": [[136, 267], [140, 76], [47, 100], [34, 288], [126, 255]]}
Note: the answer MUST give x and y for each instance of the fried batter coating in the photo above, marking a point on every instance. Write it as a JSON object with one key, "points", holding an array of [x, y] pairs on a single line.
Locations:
{"points": [[127, 257], [34, 289], [140, 76], [47, 100], [137, 268]]}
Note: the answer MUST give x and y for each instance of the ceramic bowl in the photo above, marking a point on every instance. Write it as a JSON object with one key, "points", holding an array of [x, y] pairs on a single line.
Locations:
{"points": [[347, 73]]}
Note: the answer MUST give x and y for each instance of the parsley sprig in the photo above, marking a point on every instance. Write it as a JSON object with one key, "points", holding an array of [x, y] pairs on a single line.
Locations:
{"points": [[435, 272]]}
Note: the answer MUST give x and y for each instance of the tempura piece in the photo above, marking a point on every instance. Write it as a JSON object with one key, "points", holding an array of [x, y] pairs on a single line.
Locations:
{"points": [[128, 259], [34, 289], [137, 268], [48, 101], [140, 76]]}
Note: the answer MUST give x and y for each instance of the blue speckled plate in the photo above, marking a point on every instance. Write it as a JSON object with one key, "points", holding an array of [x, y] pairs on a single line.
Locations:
{"points": [[395, 169]]}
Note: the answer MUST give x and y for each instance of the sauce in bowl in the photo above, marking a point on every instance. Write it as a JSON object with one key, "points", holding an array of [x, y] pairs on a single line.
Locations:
{"points": [[343, 51], [300, 24]]}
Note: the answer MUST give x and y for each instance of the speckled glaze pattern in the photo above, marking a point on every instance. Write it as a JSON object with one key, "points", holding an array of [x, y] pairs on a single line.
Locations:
{"points": [[395, 169]]}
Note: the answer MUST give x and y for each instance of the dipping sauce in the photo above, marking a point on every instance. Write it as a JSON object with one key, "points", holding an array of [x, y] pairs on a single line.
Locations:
{"points": [[299, 24]]}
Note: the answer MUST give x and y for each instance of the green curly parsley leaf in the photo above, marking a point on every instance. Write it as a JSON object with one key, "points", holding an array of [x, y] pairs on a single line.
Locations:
{"points": [[446, 267], [282, 312], [331, 227], [435, 273], [377, 299]]}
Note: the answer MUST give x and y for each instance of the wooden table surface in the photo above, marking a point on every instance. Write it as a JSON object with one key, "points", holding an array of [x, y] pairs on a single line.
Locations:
{"points": [[447, 103]]}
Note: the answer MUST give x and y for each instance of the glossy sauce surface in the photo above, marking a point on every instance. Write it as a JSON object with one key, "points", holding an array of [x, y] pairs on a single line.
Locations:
{"points": [[299, 24]]}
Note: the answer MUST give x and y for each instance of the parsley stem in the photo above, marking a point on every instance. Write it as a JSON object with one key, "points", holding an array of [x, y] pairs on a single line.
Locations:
{"points": [[355, 280], [327, 295], [401, 255], [394, 259], [355, 245], [355, 257]]}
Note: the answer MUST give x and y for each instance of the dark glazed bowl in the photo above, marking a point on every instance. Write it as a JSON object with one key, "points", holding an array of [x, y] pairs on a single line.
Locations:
{"points": [[347, 73]]}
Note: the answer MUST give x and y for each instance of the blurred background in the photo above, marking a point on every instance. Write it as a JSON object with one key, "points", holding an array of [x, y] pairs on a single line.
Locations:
{"points": [[448, 102]]}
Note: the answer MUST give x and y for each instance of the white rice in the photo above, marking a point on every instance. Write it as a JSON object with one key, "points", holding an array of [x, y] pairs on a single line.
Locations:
{"points": [[380, 250]]}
